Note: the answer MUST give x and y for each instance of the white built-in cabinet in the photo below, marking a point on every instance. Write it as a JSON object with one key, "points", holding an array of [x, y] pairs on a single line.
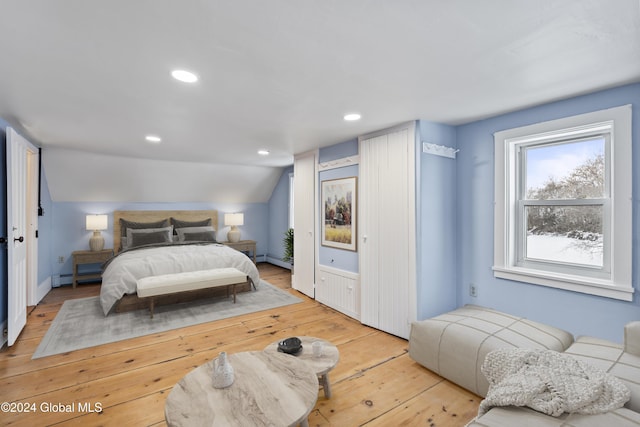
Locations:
{"points": [[387, 229], [304, 219], [339, 289]]}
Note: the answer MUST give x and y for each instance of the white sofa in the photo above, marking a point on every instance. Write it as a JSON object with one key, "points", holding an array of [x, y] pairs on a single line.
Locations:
{"points": [[455, 344]]}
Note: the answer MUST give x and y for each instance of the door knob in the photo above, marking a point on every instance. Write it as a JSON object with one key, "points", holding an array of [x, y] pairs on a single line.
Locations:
{"points": [[19, 239], [3, 240]]}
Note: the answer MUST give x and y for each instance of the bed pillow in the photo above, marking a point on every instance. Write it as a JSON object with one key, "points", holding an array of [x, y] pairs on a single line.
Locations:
{"points": [[124, 225], [200, 236], [207, 233], [147, 236], [177, 223]]}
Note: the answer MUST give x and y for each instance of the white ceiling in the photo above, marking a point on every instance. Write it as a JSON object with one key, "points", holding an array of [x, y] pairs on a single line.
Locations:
{"points": [[95, 76]]}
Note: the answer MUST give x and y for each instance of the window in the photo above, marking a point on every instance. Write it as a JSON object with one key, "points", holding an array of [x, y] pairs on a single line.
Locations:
{"points": [[563, 204]]}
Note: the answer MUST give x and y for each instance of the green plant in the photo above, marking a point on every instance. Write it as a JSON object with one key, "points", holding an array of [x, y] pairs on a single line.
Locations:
{"points": [[288, 246]]}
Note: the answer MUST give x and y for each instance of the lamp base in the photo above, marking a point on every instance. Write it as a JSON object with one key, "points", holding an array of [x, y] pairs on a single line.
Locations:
{"points": [[233, 235], [96, 242]]}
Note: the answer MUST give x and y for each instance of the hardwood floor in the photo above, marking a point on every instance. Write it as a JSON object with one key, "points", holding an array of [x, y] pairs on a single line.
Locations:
{"points": [[375, 382]]}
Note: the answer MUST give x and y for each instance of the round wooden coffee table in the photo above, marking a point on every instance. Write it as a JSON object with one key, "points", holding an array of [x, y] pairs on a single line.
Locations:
{"points": [[269, 389], [320, 365]]}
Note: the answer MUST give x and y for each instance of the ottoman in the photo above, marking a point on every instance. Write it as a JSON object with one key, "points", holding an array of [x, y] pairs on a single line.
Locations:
{"points": [[454, 344]]}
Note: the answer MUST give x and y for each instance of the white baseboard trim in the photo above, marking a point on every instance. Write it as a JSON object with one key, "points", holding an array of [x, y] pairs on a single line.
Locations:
{"points": [[62, 279], [278, 262], [43, 289]]}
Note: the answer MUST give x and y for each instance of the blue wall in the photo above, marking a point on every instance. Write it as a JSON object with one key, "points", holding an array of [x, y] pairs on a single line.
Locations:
{"points": [[279, 216], [436, 216], [578, 313], [332, 257]]}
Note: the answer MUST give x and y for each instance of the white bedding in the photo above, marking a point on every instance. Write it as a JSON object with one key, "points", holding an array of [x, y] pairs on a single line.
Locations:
{"points": [[121, 274]]}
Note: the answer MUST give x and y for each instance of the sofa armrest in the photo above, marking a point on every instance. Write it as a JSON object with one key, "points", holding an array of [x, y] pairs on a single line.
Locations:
{"points": [[632, 338]]}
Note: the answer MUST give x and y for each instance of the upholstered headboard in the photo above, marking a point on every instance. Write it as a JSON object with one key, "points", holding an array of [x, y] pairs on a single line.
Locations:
{"points": [[151, 216]]}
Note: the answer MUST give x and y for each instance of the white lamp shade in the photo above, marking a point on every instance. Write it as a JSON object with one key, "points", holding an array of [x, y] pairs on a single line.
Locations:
{"points": [[234, 219], [96, 222]]}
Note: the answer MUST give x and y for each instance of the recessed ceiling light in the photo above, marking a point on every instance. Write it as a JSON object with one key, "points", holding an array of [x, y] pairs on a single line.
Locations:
{"points": [[263, 152], [184, 76], [153, 138], [352, 117]]}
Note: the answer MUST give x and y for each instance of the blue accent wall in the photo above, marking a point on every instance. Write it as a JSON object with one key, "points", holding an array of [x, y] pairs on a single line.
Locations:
{"points": [[332, 257], [435, 222], [279, 215], [338, 151], [328, 256], [580, 314]]}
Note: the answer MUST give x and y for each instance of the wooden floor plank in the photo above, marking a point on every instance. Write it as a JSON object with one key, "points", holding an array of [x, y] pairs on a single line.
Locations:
{"points": [[440, 405], [375, 382], [374, 391]]}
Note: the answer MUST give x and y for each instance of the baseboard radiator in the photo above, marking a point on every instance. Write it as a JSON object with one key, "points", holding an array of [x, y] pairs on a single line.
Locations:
{"points": [[339, 289]]}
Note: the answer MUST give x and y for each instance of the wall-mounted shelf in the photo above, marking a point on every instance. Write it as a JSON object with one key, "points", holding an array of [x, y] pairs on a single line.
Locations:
{"points": [[339, 163], [439, 150]]}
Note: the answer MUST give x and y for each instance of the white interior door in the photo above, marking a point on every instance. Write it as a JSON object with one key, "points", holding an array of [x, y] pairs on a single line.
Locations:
{"points": [[387, 230], [18, 152], [304, 235]]}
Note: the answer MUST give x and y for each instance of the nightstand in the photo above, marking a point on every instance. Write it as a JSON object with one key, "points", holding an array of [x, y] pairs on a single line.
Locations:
{"points": [[89, 257], [244, 246]]}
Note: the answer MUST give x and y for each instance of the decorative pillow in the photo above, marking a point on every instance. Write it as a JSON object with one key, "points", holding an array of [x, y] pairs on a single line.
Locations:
{"points": [[200, 236], [177, 223], [124, 225], [146, 236], [192, 230]]}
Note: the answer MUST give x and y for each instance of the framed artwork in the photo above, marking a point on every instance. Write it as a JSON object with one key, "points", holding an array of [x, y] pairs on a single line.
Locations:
{"points": [[339, 213]]}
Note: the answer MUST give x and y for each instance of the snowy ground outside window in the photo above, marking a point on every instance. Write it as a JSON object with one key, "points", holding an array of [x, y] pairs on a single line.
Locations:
{"points": [[560, 248]]}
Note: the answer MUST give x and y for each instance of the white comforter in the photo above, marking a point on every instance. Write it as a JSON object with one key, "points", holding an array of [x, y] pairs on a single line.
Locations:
{"points": [[121, 274]]}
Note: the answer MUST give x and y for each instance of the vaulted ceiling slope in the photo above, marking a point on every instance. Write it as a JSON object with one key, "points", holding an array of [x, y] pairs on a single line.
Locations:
{"points": [[78, 176], [279, 75]]}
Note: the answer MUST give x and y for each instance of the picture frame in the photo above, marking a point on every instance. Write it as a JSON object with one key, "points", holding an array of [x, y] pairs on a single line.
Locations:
{"points": [[339, 213]]}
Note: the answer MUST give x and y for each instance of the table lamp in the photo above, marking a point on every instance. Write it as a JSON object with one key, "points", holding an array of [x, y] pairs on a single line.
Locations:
{"points": [[234, 220], [96, 223]]}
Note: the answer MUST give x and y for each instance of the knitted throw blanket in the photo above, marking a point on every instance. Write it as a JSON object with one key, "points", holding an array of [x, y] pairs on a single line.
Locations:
{"points": [[549, 382]]}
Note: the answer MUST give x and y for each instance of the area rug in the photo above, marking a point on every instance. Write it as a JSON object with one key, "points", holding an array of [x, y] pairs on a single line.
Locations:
{"points": [[80, 323]]}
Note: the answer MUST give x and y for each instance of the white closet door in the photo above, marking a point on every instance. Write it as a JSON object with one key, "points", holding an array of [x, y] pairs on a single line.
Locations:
{"points": [[304, 193], [17, 174], [371, 152], [387, 224]]}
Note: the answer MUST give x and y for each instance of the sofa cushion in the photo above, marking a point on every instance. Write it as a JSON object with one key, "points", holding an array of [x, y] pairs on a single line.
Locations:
{"points": [[510, 416], [455, 344], [632, 338], [611, 358]]}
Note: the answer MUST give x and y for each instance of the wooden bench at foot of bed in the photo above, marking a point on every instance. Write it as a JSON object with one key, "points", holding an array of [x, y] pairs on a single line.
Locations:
{"points": [[189, 283]]}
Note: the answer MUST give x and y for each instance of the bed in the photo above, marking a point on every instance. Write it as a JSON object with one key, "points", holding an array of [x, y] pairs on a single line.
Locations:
{"points": [[150, 243]]}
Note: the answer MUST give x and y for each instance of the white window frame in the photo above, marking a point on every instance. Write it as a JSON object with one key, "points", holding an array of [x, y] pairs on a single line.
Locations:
{"points": [[615, 281]]}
